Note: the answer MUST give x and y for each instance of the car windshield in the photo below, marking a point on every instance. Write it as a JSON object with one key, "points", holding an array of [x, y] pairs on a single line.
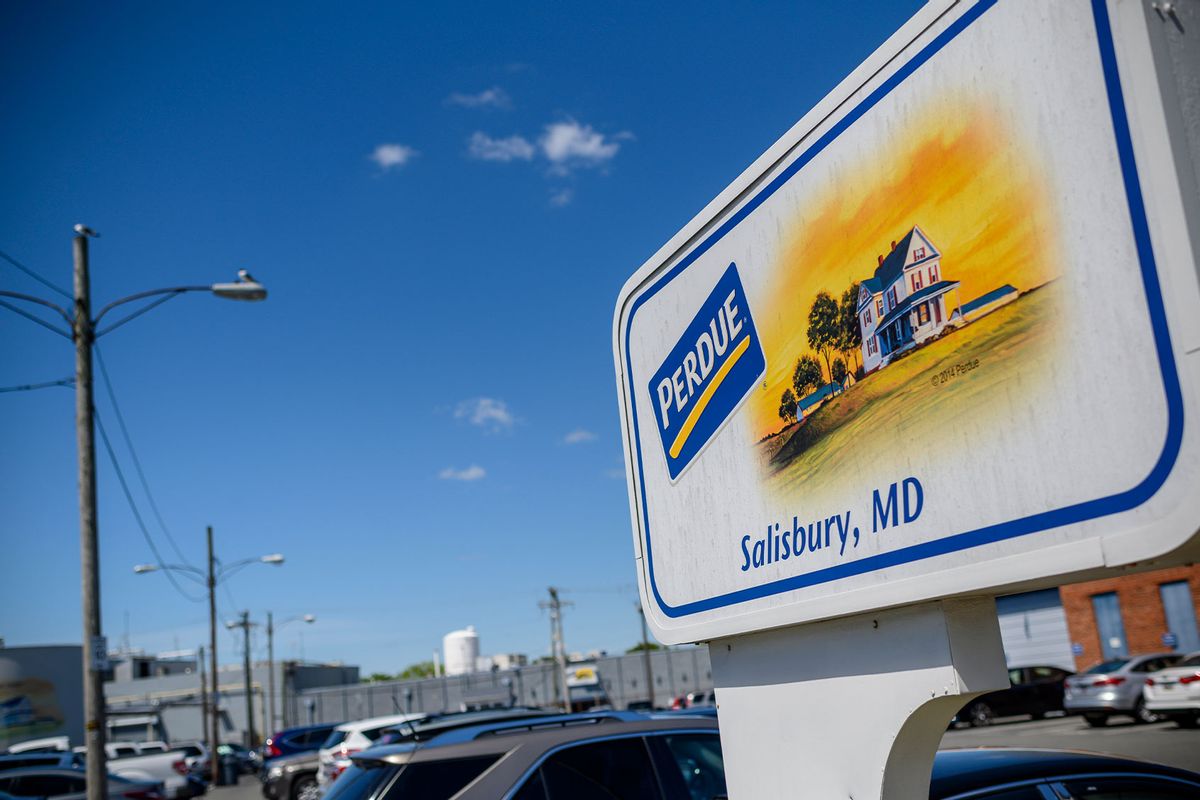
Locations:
{"points": [[335, 738], [358, 782], [1108, 666], [1191, 661], [438, 780]]}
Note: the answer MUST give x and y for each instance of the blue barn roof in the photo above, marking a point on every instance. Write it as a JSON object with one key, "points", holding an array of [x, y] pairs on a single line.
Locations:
{"points": [[810, 400], [990, 297]]}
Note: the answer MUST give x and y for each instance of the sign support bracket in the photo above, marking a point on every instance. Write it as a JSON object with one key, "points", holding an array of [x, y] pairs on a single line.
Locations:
{"points": [[852, 707]]}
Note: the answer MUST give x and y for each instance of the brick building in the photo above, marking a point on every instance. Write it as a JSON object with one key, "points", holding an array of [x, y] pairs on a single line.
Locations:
{"points": [[1143, 613]]}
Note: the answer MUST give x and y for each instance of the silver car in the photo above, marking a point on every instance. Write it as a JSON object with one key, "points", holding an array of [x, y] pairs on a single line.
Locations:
{"points": [[1114, 687]]}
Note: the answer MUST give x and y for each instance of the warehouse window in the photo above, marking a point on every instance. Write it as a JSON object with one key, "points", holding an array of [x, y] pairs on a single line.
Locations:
{"points": [[1109, 625], [1181, 615]]}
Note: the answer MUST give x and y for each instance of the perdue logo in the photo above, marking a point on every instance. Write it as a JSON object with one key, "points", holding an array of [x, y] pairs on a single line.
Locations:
{"points": [[708, 373]]}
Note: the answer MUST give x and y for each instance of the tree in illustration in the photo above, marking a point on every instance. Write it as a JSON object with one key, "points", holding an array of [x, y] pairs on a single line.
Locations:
{"points": [[839, 371], [787, 406], [849, 332], [824, 327], [806, 379]]}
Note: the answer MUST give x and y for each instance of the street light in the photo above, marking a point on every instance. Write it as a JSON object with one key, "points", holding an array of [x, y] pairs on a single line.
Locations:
{"points": [[84, 330], [211, 579], [308, 619]]}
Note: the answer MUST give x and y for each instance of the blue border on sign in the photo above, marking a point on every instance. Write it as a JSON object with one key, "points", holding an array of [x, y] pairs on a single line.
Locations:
{"points": [[1080, 512]]}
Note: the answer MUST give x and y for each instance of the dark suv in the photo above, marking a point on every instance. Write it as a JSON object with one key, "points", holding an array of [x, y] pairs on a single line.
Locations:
{"points": [[572, 756], [296, 740]]}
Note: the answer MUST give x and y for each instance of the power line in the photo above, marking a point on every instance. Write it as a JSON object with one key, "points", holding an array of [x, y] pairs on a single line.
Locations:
{"points": [[34, 275], [26, 387], [137, 514], [137, 462]]}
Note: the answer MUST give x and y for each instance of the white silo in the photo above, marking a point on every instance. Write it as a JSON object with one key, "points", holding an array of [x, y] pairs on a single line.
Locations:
{"points": [[461, 649]]}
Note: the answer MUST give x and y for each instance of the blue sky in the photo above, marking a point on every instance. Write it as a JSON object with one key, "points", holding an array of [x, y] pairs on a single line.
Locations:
{"points": [[443, 200]]}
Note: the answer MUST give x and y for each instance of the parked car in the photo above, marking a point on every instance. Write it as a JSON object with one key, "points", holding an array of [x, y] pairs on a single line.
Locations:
{"points": [[292, 777], [1174, 692], [607, 754], [290, 741], [51, 744], [247, 760], [1114, 687], [434, 725], [1001, 773], [169, 769], [352, 737], [1032, 690], [58, 759], [71, 784]]}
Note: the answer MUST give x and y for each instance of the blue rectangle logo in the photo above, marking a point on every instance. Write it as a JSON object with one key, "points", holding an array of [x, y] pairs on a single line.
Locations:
{"points": [[710, 370]]}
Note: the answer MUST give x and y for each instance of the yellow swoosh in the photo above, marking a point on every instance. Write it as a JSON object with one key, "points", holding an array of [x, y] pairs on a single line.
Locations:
{"points": [[706, 395]]}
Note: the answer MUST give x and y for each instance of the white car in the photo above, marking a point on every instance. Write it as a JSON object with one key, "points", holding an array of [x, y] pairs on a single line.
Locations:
{"points": [[1174, 692], [351, 737]]}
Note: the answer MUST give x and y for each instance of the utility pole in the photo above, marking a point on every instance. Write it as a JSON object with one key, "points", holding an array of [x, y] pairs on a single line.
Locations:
{"points": [[270, 726], [557, 648], [213, 741], [95, 649], [244, 624], [646, 655]]}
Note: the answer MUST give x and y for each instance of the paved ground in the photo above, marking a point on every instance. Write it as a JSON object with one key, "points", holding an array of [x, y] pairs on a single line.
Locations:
{"points": [[1163, 742], [248, 788]]}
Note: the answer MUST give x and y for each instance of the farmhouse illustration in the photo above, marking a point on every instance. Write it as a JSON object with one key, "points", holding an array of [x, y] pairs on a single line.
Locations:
{"points": [[904, 302]]}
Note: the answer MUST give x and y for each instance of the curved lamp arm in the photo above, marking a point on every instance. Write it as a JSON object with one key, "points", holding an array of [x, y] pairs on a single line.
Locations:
{"points": [[242, 289]]}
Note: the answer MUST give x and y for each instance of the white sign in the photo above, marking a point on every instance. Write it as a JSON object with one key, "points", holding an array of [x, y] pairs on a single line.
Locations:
{"points": [[933, 342], [99, 653]]}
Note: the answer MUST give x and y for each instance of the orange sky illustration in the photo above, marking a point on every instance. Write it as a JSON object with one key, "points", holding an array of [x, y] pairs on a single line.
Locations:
{"points": [[962, 177]]}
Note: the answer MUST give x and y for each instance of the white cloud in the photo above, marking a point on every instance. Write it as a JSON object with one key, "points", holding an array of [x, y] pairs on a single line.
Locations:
{"points": [[512, 148], [486, 412], [578, 436], [562, 197], [570, 144], [494, 97], [392, 155], [471, 473]]}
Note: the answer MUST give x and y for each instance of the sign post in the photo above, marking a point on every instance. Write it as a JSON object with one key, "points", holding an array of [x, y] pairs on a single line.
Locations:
{"points": [[938, 343]]}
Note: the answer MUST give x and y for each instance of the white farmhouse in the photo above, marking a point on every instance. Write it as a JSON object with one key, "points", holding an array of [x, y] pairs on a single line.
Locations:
{"points": [[904, 302]]}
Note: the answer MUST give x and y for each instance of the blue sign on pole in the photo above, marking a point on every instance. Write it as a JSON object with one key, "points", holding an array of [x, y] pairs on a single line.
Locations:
{"points": [[1170, 640], [1076, 649]]}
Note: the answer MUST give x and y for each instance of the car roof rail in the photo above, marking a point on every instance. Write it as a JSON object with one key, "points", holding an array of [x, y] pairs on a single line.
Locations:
{"points": [[470, 734]]}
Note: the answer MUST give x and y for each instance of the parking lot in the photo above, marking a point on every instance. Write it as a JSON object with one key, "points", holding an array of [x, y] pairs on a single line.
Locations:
{"points": [[1163, 742]]}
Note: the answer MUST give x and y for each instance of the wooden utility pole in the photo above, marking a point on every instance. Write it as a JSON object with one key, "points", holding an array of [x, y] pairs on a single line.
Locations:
{"points": [[95, 650]]}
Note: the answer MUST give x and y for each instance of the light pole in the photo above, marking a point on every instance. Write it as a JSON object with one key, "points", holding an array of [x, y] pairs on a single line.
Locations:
{"points": [[210, 579], [84, 330], [308, 619]]}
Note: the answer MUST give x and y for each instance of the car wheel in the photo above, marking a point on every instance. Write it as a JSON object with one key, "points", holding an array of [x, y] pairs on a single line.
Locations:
{"points": [[1143, 715], [1096, 720], [306, 788], [979, 715], [1188, 720]]}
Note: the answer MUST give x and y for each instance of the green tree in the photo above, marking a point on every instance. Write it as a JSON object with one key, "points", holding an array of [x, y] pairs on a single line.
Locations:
{"points": [[787, 406], [375, 677], [839, 370], [850, 334], [806, 378], [824, 328], [640, 646], [422, 669]]}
